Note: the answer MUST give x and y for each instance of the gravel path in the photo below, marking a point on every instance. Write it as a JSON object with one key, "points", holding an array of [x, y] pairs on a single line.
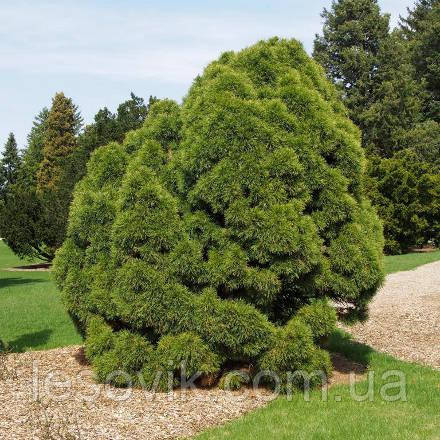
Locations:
{"points": [[405, 316]]}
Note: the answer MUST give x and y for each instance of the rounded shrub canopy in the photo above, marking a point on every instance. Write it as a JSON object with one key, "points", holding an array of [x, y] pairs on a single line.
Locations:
{"points": [[218, 231]]}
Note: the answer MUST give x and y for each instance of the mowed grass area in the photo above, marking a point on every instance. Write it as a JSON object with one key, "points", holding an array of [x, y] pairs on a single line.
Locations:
{"points": [[31, 314], [341, 417], [399, 263]]}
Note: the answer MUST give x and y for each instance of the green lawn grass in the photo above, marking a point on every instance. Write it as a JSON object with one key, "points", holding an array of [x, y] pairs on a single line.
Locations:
{"points": [[417, 418], [399, 263], [31, 313]]}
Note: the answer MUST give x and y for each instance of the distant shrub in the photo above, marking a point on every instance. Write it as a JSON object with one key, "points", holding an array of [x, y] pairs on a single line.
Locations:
{"points": [[213, 224]]}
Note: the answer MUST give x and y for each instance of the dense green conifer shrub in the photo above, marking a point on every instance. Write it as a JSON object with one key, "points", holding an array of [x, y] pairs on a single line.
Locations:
{"points": [[205, 233]]}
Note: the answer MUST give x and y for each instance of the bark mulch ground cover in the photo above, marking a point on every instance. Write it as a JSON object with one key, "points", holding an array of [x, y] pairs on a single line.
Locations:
{"points": [[52, 395]]}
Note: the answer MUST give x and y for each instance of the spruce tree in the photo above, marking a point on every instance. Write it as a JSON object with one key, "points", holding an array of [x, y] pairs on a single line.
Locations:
{"points": [[383, 87], [33, 154], [57, 176], [413, 23], [422, 29], [59, 146], [397, 99], [349, 49], [9, 165]]}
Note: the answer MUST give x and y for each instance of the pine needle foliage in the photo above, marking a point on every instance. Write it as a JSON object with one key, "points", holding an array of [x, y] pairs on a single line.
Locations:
{"points": [[203, 236]]}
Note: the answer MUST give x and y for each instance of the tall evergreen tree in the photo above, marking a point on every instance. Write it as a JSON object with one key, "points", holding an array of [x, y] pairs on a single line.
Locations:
{"points": [[21, 214], [131, 114], [33, 155], [422, 29], [374, 70], [424, 140], [413, 23], [59, 145], [57, 176], [33, 218], [382, 77], [9, 165], [397, 99], [349, 49], [112, 127], [101, 132]]}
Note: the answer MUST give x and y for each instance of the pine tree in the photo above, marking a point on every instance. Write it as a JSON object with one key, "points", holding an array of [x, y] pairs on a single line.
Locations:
{"points": [[349, 49], [9, 165], [208, 232]]}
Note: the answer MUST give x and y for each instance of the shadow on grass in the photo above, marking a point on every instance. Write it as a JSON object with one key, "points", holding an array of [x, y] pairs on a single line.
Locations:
{"points": [[30, 340], [342, 342], [9, 282], [31, 267]]}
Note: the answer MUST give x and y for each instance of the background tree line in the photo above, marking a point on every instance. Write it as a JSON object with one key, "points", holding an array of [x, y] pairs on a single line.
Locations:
{"points": [[36, 186], [390, 83]]}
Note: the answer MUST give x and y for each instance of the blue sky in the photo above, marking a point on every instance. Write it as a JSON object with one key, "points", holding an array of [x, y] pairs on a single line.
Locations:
{"points": [[97, 51]]}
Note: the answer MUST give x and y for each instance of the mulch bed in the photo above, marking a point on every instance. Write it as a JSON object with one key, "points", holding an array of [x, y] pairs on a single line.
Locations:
{"points": [[87, 410], [33, 406], [31, 268]]}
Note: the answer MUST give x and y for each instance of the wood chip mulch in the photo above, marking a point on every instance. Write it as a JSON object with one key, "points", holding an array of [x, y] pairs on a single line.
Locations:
{"points": [[32, 406], [51, 395], [41, 267]]}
